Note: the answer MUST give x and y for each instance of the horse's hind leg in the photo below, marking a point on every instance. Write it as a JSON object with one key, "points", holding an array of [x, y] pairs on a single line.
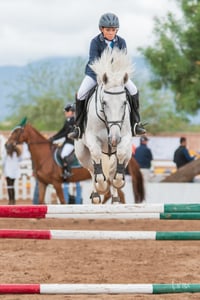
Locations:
{"points": [[121, 196], [59, 192], [115, 196]]}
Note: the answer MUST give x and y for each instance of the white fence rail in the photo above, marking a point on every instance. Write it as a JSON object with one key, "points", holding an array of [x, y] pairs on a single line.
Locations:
{"points": [[24, 189], [25, 186], [155, 192]]}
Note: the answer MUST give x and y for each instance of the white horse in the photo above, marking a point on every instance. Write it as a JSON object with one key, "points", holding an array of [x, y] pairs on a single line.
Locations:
{"points": [[105, 148]]}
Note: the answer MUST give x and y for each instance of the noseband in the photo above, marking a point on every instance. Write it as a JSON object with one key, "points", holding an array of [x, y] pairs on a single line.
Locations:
{"points": [[110, 123]]}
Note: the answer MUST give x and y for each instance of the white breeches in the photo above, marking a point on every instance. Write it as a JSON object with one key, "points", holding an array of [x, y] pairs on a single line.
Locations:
{"points": [[88, 83], [66, 150], [131, 87]]}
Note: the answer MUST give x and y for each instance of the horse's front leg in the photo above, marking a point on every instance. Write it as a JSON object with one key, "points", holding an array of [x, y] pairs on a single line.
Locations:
{"points": [[59, 192], [99, 178], [123, 156], [42, 190]]}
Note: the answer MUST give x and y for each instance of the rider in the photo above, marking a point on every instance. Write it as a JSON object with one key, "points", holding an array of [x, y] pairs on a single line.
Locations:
{"points": [[108, 25], [68, 145]]}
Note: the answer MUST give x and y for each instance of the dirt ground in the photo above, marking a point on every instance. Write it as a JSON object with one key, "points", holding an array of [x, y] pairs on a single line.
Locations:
{"points": [[87, 261]]}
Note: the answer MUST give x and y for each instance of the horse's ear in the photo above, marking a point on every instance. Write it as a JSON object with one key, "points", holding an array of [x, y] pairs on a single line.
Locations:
{"points": [[125, 78], [105, 78]]}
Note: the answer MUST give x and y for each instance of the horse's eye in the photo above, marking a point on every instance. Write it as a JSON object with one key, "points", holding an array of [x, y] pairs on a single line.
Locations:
{"points": [[103, 103]]}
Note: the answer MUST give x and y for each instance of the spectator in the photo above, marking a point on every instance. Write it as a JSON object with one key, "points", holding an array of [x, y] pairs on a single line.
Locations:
{"points": [[11, 169], [144, 156], [181, 154], [36, 193], [70, 198]]}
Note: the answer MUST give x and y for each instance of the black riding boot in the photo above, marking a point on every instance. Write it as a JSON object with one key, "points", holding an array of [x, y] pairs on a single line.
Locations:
{"points": [[11, 190], [79, 121], [136, 126], [66, 168]]}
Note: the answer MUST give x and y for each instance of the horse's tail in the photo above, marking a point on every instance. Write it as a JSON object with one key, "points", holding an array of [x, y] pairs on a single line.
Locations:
{"points": [[137, 180]]}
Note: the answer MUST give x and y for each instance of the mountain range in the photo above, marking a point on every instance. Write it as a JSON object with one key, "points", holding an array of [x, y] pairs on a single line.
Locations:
{"points": [[9, 75]]}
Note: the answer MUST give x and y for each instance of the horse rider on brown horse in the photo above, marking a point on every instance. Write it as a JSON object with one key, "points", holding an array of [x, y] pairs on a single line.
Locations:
{"points": [[68, 145]]}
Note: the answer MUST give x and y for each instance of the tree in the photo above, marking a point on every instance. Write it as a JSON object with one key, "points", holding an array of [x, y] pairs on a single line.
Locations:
{"points": [[42, 91], [175, 56], [157, 108]]}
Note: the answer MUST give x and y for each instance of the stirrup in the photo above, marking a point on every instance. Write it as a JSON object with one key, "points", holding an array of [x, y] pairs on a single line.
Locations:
{"points": [[66, 175], [138, 129]]}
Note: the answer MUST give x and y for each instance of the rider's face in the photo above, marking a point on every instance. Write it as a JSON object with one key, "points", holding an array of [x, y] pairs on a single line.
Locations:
{"points": [[109, 33], [69, 113]]}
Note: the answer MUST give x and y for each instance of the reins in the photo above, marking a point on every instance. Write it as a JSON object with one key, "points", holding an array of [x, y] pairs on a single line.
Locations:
{"points": [[104, 119], [28, 143]]}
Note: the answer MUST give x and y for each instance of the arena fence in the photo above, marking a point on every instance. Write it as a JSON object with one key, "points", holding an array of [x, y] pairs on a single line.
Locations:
{"points": [[24, 190]]}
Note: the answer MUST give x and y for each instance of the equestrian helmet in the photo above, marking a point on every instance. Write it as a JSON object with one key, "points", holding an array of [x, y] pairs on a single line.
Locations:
{"points": [[69, 107], [109, 20]]}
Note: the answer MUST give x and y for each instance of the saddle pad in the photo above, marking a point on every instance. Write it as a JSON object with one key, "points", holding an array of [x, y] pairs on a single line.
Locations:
{"points": [[75, 163]]}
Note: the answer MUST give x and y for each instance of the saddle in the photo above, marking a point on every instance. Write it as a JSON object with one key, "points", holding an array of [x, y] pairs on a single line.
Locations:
{"points": [[72, 159]]}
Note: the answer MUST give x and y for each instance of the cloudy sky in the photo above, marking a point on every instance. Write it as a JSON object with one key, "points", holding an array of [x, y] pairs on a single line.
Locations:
{"points": [[34, 29]]}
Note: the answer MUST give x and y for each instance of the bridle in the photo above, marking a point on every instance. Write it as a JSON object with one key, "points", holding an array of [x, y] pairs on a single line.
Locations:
{"points": [[19, 134], [109, 123]]}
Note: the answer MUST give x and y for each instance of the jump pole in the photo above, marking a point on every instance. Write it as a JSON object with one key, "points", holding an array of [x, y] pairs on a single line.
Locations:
{"points": [[98, 288], [98, 235], [137, 211]]}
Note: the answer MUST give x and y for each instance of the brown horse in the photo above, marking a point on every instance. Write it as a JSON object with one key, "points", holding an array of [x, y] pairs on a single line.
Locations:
{"points": [[48, 171]]}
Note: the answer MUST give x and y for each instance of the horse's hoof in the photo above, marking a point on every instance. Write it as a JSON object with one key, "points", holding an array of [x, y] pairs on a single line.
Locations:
{"points": [[101, 186], [118, 182]]}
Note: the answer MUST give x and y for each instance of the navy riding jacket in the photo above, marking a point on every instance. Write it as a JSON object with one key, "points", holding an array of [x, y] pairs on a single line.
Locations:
{"points": [[143, 156], [182, 156], [97, 46]]}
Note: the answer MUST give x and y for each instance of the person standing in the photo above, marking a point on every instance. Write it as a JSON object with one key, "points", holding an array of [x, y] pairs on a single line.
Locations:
{"points": [[11, 169], [144, 156], [181, 154]]}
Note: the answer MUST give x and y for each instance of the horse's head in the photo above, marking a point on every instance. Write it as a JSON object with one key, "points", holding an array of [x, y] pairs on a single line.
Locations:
{"points": [[113, 70], [17, 136], [114, 109]]}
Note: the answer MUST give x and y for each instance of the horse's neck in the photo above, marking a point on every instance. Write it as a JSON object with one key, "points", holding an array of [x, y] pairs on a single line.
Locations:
{"points": [[38, 147], [95, 103]]}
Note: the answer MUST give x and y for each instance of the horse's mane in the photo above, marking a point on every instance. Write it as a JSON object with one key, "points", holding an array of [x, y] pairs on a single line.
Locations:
{"points": [[36, 131], [115, 64]]}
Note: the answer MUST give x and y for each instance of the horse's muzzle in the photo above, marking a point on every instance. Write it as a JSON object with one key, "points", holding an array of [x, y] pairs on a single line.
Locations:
{"points": [[113, 141]]}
